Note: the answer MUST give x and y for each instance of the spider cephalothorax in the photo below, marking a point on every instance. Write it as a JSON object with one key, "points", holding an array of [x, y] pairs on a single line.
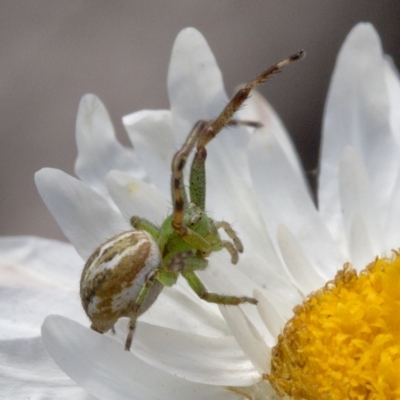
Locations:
{"points": [[124, 276]]}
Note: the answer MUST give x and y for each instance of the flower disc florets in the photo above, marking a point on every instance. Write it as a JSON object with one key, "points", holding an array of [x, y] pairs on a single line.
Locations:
{"points": [[344, 340]]}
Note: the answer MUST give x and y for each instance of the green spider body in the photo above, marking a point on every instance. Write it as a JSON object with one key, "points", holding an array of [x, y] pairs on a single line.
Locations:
{"points": [[171, 243], [179, 256]]}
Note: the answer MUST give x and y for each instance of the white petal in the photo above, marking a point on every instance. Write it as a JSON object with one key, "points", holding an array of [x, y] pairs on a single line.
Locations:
{"points": [[32, 261], [392, 79], [265, 273], [248, 337], [221, 277], [152, 137], [101, 366], [196, 358], [181, 309], [22, 310], [356, 199], [284, 307], [259, 109], [391, 228], [231, 197], [194, 82], [28, 372], [135, 197], [273, 320], [357, 114], [98, 149], [360, 246], [85, 217], [304, 276], [284, 200]]}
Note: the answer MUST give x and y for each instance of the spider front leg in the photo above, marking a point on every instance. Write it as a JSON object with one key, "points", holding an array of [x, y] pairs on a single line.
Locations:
{"points": [[198, 287], [178, 193], [187, 263], [237, 246], [202, 133], [148, 293], [144, 225], [197, 187]]}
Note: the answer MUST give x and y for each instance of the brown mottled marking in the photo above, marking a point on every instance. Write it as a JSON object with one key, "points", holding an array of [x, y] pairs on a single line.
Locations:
{"points": [[177, 166], [107, 283]]}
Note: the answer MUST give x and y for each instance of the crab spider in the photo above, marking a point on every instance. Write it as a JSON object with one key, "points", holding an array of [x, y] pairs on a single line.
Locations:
{"points": [[124, 276]]}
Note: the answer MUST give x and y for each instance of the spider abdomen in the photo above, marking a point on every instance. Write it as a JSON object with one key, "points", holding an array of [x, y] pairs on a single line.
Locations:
{"points": [[114, 275]]}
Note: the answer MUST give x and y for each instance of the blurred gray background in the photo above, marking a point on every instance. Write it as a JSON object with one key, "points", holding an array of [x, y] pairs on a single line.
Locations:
{"points": [[53, 52]]}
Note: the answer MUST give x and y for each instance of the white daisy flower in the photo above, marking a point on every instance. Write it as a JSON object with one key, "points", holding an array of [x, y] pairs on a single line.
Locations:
{"points": [[339, 344], [343, 341]]}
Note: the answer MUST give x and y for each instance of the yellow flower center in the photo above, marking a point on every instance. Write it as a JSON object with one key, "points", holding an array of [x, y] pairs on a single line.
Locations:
{"points": [[344, 340]]}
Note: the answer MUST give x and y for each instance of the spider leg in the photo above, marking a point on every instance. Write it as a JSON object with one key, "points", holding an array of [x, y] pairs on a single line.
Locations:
{"points": [[206, 133], [197, 180], [243, 122], [241, 96], [197, 285], [178, 165], [231, 233], [144, 225], [231, 250], [202, 133], [236, 247], [144, 291]]}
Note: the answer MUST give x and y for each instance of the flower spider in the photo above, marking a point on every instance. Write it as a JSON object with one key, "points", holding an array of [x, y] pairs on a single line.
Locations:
{"points": [[124, 276]]}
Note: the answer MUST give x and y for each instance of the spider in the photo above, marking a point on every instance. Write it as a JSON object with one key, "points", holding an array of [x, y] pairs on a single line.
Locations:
{"points": [[124, 276]]}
